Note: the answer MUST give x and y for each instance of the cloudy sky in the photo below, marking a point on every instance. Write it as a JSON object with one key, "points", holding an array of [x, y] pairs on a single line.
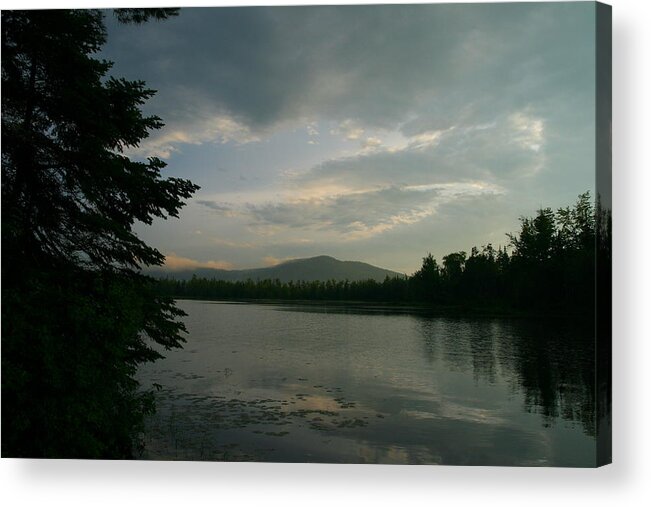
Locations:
{"points": [[372, 133]]}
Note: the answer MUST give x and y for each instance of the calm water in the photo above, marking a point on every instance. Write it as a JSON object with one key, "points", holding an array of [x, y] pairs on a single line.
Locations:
{"points": [[368, 385]]}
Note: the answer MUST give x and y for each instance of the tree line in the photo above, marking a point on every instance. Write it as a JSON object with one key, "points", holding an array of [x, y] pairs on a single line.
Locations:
{"points": [[547, 266]]}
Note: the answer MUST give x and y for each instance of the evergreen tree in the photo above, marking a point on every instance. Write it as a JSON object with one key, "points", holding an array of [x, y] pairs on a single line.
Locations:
{"points": [[550, 270], [77, 314], [426, 281]]}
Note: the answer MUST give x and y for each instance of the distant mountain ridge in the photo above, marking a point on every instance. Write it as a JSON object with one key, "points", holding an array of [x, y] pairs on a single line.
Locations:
{"points": [[321, 268]]}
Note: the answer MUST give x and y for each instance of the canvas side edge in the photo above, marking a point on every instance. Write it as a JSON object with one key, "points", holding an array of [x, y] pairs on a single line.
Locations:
{"points": [[603, 275]]}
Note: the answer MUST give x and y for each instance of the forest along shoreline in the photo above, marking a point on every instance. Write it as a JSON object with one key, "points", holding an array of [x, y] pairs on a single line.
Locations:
{"points": [[396, 307], [547, 269]]}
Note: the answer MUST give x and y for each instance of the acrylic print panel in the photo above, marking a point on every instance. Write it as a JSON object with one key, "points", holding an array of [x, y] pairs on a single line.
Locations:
{"points": [[388, 236]]}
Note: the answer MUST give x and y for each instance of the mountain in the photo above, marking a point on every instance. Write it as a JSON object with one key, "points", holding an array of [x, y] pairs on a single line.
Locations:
{"points": [[322, 268]]}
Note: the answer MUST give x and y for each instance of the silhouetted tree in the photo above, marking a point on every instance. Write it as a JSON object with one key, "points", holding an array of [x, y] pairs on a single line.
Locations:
{"points": [[77, 315], [551, 269], [426, 281], [481, 275]]}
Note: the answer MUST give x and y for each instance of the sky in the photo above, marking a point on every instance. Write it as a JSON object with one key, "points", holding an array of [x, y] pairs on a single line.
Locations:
{"points": [[371, 133]]}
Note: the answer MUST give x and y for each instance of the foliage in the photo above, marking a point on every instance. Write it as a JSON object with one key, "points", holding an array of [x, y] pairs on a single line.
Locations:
{"points": [[551, 268], [77, 315], [137, 16]]}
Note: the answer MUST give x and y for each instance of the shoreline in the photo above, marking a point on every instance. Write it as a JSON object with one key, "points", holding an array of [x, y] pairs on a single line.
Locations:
{"points": [[398, 307]]}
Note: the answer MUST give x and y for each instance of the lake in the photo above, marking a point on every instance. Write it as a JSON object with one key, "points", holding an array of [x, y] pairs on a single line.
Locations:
{"points": [[373, 384]]}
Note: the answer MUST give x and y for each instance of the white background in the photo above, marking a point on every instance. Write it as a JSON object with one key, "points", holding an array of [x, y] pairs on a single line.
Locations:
{"points": [[626, 482]]}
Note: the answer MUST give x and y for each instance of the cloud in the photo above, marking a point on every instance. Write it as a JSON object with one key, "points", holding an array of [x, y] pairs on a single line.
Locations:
{"points": [[215, 206], [510, 147], [218, 128], [528, 131], [274, 261], [371, 143], [355, 215], [312, 132], [236, 74], [395, 185], [348, 129], [174, 262], [221, 208], [312, 129]]}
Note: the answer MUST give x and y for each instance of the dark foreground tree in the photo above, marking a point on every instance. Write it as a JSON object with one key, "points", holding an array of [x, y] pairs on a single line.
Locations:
{"points": [[77, 315]]}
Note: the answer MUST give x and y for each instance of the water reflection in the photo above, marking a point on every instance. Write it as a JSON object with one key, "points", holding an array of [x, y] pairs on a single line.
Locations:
{"points": [[551, 362], [374, 385]]}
